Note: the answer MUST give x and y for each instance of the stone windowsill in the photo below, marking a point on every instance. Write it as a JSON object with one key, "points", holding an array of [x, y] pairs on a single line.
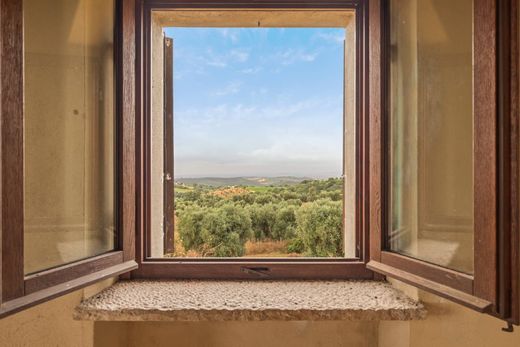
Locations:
{"points": [[249, 301]]}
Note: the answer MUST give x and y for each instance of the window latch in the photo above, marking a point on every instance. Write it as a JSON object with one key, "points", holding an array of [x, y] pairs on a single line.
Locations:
{"points": [[258, 271], [167, 176]]}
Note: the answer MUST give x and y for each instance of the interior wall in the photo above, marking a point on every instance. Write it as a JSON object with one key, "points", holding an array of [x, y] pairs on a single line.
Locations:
{"points": [[51, 323], [447, 325], [236, 334]]}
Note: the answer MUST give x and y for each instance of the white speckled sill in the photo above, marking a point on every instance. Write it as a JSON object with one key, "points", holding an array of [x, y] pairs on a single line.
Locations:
{"points": [[249, 301]]}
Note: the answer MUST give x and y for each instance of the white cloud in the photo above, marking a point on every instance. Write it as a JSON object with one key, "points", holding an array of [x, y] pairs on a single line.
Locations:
{"points": [[251, 70], [291, 56], [240, 56], [232, 34], [229, 89], [329, 37], [210, 58]]}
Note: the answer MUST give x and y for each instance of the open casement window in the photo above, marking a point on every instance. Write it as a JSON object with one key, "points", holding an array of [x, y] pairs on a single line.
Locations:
{"points": [[444, 149], [67, 147]]}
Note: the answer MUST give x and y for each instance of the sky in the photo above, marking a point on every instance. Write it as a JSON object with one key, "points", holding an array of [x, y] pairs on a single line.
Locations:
{"points": [[258, 102]]}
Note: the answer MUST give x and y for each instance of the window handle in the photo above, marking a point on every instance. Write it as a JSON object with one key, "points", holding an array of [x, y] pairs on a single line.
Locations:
{"points": [[258, 271]]}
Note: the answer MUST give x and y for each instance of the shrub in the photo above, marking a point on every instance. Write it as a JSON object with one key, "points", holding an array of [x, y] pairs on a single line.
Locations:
{"points": [[263, 218], [219, 231], [190, 226], [284, 227], [296, 246], [225, 230], [320, 228]]}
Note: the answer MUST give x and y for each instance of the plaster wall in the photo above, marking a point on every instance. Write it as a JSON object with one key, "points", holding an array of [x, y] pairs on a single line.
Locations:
{"points": [[51, 323]]}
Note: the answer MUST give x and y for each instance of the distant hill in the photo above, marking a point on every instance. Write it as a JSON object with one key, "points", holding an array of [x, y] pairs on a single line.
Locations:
{"points": [[243, 181]]}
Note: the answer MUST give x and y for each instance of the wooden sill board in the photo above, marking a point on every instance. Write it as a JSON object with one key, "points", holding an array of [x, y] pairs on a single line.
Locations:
{"points": [[249, 301]]}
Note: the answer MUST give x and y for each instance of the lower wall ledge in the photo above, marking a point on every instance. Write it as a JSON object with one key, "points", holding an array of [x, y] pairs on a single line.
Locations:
{"points": [[249, 301]]}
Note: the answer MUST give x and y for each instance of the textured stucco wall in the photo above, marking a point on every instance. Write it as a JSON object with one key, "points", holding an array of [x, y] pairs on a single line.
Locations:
{"points": [[448, 325], [238, 334], [51, 323]]}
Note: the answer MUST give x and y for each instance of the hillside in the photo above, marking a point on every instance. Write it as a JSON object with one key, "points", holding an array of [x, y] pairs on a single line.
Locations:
{"points": [[242, 181]]}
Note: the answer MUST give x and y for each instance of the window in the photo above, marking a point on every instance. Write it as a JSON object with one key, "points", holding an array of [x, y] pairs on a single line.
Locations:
{"points": [[257, 164], [61, 219], [447, 205], [100, 163], [69, 172], [239, 165], [431, 137]]}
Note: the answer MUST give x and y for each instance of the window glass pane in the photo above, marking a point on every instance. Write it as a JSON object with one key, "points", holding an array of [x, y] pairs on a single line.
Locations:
{"points": [[69, 131], [259, 116], [431, 131]]}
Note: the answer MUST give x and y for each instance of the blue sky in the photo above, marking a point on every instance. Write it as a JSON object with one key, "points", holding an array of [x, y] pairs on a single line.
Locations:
{"points": [[258, 101]]}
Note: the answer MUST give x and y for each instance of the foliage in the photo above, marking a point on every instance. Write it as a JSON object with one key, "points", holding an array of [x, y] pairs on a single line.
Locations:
{"points": [[305, 218], [218, 232], [263, 218], [320, 228]]}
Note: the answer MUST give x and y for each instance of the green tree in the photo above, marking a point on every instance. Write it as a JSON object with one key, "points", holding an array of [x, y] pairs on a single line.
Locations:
{"points": [[190, 227], [320, 228], [284, 227], [263, 218], [225, 230]]}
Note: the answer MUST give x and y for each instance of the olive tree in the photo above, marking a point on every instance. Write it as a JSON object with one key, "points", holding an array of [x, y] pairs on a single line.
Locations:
{"points": [[320, 228]]}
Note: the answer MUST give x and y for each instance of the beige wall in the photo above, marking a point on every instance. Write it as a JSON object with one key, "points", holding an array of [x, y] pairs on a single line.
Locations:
{"points": [[238, 334], [448, 325], [51, 323]]}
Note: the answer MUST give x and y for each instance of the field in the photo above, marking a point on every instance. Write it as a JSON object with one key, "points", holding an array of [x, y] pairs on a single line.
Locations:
{"points": [[258, 217]]}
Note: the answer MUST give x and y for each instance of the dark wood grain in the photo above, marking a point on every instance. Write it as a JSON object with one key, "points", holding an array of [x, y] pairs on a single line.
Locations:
{"points": [[514, 111], [289, 4], [485, 149], [223, 270], [168, 185], [127, 209], [447, 292], [447, 277], [69, 272], [11, 71], [38, 297], [505, 156], [200, 268], [375, 130]]}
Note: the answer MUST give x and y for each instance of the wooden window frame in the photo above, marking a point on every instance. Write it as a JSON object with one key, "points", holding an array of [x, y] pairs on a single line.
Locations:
{"points": [[19, 291], [494, 288], [247, 268]]}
